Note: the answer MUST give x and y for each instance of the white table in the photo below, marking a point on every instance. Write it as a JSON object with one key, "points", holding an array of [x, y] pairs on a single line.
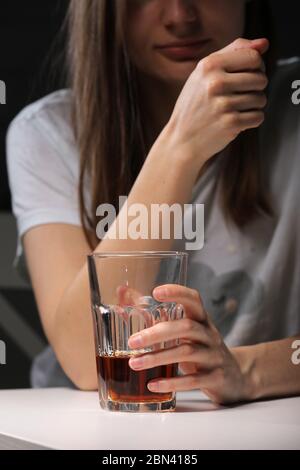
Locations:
{"points": [[69, 419]]}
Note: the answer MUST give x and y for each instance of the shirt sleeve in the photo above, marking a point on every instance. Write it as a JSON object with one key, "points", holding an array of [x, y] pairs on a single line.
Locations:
{"points": [[42, 183]]}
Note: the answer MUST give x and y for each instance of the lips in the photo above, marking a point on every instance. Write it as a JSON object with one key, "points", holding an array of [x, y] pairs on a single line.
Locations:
{"points": [[181, 51]]}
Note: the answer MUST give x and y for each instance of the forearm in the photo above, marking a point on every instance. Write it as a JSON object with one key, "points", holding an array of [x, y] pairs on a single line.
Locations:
{"points": [[165, 178], [270, 368]]}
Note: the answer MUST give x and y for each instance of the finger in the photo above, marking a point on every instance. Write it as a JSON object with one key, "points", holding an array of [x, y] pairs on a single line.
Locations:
{"points": [[187, 368], [236, 61], [261, 45], [229, 83], [249, 101], [138, 315], [244, 82], [202, 381], [185, 329], [189, 298], [250, 119], [128, 296], [242, 102], [202, 356]]}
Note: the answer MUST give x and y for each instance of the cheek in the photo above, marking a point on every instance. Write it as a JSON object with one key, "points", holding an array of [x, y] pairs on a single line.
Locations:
{"points": [[140, 32], [141, 29], [137, 45], [237, 21], [228, 27], [234, 17], [223, 20]]}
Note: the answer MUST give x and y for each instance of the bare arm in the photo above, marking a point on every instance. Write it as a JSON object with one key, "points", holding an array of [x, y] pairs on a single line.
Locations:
{"points": [[272, 368]]}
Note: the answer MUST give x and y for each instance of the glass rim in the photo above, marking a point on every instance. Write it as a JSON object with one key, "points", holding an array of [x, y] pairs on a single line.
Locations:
{"points": [[138, 254]]}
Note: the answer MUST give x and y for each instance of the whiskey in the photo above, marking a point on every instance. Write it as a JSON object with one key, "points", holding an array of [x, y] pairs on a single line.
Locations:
{"points": [[124, 384]]}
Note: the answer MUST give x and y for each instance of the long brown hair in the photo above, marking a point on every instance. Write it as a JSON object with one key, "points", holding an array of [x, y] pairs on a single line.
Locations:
{"points": [[107, 117]]}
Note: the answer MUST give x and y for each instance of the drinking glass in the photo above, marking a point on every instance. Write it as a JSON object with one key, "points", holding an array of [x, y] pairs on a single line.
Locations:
{"points": [[121, 286]]}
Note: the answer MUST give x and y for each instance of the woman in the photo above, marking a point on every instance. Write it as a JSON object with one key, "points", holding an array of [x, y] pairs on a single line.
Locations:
{"points": [[165, 96]]}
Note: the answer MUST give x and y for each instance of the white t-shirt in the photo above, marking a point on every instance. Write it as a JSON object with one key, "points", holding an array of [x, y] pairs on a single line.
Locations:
{"points": [[43, 167], [249, 280]]}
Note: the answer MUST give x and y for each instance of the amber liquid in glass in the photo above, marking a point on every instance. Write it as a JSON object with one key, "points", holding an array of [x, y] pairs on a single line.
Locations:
{"points": [[126, 385]]}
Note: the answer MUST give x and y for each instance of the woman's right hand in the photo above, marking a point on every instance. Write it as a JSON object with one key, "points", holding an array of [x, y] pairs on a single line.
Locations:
{"points": [[223, 96]]}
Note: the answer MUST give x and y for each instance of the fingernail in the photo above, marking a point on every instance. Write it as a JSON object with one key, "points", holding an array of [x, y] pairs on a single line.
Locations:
{"points": [[160, 292], [135, 341], [136, 362], [153, 386]]}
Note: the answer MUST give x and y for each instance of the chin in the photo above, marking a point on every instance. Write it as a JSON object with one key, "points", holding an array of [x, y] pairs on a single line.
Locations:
{"points": [[180, 72]]}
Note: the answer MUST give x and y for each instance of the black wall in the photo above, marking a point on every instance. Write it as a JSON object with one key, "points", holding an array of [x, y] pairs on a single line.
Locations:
{"points": [[27, 31]]}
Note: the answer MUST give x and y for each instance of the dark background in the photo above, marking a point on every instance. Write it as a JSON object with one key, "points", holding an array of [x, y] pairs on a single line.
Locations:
{"points": [[27, 32]]}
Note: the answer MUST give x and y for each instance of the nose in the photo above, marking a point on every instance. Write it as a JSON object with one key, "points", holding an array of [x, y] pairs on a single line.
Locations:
{"points": [[179, 15]]}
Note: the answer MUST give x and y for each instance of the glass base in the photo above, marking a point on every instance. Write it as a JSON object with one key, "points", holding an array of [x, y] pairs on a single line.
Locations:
{"points": [[142, 407]]}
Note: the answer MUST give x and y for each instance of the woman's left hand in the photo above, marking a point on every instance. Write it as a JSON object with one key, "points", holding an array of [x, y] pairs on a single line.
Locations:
{"points": [[203, 357]]}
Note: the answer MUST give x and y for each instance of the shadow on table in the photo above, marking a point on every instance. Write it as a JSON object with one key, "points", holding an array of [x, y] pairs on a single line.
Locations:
{"points": [[202, 404], [197, 405]]}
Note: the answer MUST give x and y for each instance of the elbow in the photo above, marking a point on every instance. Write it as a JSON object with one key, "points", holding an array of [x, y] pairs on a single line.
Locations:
{"points": [[83, 376], [84, 384], [78, 363]]}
